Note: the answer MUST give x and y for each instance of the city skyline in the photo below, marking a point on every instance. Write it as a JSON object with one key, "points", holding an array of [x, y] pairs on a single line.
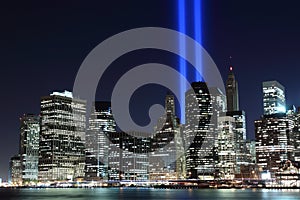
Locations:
{"points": [[54, 64], [218, 140]]}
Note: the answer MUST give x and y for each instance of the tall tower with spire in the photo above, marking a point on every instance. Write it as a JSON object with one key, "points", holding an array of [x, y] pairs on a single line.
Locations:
{"points": [[239, 131], [232, 92]]}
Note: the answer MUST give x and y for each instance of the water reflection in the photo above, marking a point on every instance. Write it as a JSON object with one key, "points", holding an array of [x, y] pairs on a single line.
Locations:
{"points": [[144, 194]]}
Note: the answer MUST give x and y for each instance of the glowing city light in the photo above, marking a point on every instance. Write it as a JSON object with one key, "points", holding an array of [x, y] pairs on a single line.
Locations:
{"points": [[182, 64], [281, 109], [198, 34], [197, 28]]}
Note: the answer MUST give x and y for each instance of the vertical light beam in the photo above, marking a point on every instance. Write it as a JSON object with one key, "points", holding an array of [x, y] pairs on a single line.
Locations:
{"points": [[182, 63], [198, 36]]}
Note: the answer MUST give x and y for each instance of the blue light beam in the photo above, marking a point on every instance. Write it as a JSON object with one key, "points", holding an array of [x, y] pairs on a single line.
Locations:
{"points": [[182, 49], [198, 36]]}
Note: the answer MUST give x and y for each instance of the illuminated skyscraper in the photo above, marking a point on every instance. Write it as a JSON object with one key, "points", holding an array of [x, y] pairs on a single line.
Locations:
{"points": [[240, 138], [251, 151], [274, 131], [218, 100], [113, 155], [29, 147], [274, 142], [101, 125], [62, 137], [200, 155], [273, 98], [128, 156], [294, 115], [239, 122], [232, 125], [227, 147], [232, 94], [15, 170], [166, 144]]}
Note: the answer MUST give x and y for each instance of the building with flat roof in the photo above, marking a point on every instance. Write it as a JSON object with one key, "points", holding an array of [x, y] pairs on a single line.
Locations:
{"points": [[29, 147], [62, 137]]}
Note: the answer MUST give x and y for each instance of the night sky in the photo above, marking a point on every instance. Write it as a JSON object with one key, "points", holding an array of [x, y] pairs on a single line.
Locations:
{"points": [[43, 44]]}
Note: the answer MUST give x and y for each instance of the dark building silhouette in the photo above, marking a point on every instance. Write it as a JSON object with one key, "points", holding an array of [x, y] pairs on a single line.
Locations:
{"points": [[232, 92]]}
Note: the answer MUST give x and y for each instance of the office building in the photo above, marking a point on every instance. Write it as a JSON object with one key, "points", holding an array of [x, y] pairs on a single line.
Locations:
{"points": [[274, 142], [101, 125], [251, 151], [294, 115], [15, 171], [274, 131], [62, 137], [29, 147], [129, 156], [227, 147], [240, 138], [232, 92], [199, 132], [166, 145], [273, 98], [239, 121]]}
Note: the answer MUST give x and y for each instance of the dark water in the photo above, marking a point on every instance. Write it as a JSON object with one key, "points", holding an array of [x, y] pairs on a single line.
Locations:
{"points": [[144, 194]]}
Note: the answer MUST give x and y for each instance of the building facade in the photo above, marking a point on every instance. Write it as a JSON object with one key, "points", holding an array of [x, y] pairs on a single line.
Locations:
{"points": [[131, 161], [166, 145], [29, 147], [294, 115], [201, 156], [239, 117], [273, 98], [101, 125], [240, 138], [274, 142], [274, 132], [251, 151], [62, 137], [232, 92], [227, 147], [15, 171]]}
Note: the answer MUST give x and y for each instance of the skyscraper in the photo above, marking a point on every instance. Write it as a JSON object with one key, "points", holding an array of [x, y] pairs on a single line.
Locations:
{"points": [[274, 142], [132, 161], [239, 117], [232, 94], [273, 98], [240, 138], [29, 147], [15, 170], [227, 147], [294, 115], [166, 143], [62, 137], [274, 131], [240, 121], [101, 125], [251, 151], [198, 131], [218, 100]]}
